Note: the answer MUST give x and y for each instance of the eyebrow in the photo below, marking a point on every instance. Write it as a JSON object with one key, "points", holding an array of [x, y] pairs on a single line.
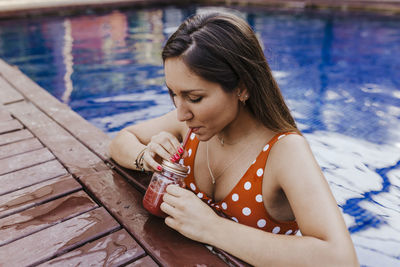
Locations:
{"points": [[188, 91]]}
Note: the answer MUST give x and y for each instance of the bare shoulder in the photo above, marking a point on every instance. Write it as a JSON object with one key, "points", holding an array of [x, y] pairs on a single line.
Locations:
{"points": [[290, 144], [291, 157]]}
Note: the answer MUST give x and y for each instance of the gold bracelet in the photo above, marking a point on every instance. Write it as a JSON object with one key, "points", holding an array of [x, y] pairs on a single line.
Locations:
{"points": [[139, 160]]}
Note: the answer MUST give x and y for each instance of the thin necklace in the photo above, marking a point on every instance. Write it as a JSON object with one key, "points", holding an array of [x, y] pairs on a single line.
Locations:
{"points": [[222, 141], [208, 165], [228, 165]]}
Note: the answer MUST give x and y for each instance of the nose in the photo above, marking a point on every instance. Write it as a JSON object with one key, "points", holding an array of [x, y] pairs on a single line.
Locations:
{"points": [[183, 112]]}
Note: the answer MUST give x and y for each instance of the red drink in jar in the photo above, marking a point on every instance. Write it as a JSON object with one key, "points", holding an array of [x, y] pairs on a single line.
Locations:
{"points": [[172, 173]]}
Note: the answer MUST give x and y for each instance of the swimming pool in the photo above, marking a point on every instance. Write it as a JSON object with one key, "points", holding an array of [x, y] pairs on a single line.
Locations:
{"points": [[339, 73]]}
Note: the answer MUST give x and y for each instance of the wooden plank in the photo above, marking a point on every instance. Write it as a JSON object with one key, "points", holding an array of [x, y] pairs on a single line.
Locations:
{"points": [[125, 203], [19, 147], [14, 137], [8, 94], [145, 261], [140, 180], [4, 115], [25, 160], [43, 216], [30, 176], [8, 126], [58, 239], [37, 194], [112, 250], [77, 158]]}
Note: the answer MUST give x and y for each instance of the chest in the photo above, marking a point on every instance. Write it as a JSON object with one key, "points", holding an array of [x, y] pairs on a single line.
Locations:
{"points": [[226, 166], [229, 171]]}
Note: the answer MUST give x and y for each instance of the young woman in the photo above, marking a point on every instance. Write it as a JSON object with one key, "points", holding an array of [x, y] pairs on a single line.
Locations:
{"points": [[247, 159]]}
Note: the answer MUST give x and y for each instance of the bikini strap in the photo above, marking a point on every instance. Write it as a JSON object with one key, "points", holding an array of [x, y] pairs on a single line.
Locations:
{"points": [[263, 156]]}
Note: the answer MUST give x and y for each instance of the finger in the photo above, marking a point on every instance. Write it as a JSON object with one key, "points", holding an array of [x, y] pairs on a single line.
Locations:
{"points": [[165, 140], [168, 209], [171, 200], [177, 145], [185, 154], [174, 155], [171, 222], [174, 142], [175, 190], [170, 143], [156, 148], [149, 163]]}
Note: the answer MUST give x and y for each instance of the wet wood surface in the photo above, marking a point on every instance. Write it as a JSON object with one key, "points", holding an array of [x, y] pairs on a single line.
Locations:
{"points": [[145, 261], [58, 239], [30, 176], [112, 250], [43, 216], [37, 194], [63, 202]]}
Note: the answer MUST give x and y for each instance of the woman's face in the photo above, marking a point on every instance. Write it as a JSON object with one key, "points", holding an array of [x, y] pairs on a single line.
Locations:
{"points": [[203, 105]]}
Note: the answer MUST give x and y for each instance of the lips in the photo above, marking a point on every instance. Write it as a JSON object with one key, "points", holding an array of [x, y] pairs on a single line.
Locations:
{"points": [[195, 129]]}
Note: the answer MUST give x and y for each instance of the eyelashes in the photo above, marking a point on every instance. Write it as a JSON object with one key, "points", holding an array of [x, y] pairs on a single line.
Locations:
{"points": [[171, 94], [195, 100], [190, 99]]}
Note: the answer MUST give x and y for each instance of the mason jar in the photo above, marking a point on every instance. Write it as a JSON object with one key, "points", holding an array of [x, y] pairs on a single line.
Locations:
{"points": [[171, 173]]}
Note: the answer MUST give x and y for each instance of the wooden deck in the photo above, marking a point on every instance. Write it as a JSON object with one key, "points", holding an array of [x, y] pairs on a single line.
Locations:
{"points": [[64, 203]]}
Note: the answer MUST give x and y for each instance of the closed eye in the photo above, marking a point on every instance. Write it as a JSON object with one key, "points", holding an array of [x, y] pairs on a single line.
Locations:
{"points": [[192, 99], [195, 99]]}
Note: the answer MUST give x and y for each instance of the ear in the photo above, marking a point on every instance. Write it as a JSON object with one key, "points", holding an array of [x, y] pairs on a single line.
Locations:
{"points": [[242, 93]]}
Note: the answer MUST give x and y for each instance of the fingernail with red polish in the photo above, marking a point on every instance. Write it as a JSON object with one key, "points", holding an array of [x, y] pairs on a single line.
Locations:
{"points": [[177, 156], [180, 150], [172, 159], [159, 168]]}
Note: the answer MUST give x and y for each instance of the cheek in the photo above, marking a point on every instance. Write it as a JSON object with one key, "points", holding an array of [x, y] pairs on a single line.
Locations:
{"points": [[217, 113]]}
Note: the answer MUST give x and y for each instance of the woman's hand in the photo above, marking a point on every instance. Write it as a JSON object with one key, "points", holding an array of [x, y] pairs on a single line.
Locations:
{"points": [[162, 146], [188, 214]]}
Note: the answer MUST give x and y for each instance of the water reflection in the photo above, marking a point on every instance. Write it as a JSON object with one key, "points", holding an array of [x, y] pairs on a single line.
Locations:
{"points": [[341, 82], [365, 180], [68, 61]]}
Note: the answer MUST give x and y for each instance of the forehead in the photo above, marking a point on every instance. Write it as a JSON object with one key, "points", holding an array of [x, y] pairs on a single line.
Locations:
{"points": [[176, 70], [179, 77]]}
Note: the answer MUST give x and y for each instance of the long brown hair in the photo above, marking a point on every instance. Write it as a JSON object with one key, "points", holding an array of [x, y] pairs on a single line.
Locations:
{"points": [[222, 48]]}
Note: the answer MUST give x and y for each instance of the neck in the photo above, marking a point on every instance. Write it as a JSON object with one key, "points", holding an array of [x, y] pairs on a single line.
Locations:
{"points": [[243, 126]]}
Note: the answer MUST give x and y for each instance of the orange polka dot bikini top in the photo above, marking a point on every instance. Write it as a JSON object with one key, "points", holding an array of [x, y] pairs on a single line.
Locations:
{"points": [[244, 204]]}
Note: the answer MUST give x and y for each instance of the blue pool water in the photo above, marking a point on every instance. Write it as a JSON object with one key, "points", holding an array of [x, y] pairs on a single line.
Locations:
{"points": [[339, 73]]}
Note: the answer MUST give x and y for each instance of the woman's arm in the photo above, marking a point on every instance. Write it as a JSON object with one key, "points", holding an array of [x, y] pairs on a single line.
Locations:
{"points": [[164, 133], [325, 240]]}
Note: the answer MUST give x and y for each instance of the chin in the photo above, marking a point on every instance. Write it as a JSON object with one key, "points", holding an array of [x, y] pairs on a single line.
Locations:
{"points": [[203, 137]]}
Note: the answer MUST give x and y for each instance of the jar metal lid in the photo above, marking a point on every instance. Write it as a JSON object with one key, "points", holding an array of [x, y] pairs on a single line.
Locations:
{"points": [[174, 167]]}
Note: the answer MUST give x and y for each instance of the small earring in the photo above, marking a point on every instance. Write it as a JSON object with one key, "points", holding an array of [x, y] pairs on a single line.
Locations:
{"points": [[239, 94], [244, 99]]}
